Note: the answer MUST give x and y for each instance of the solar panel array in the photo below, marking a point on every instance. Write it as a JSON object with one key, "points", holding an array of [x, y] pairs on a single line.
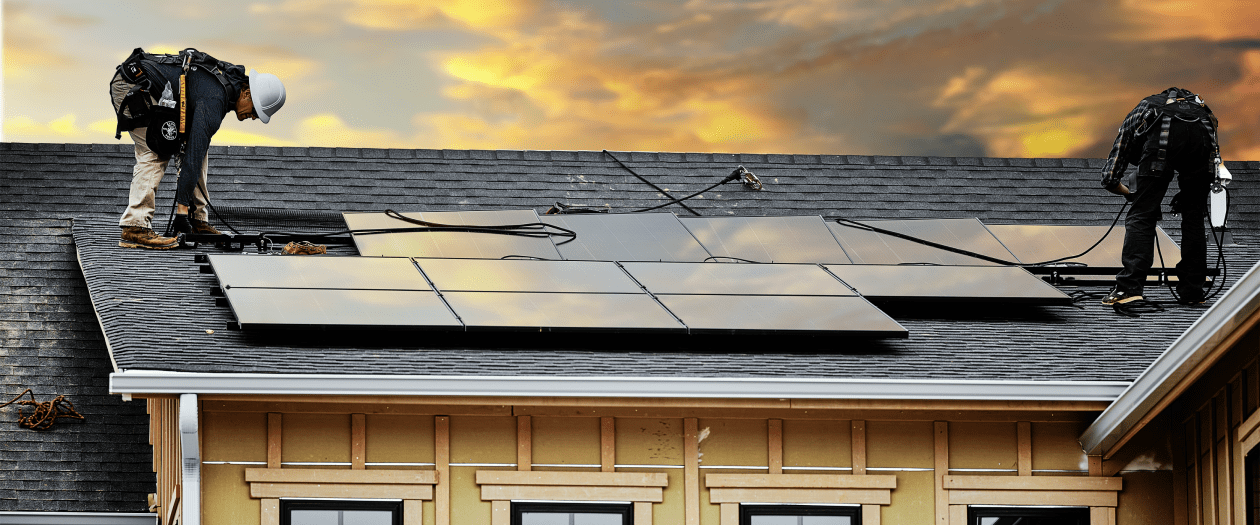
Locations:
{"points": [[533, 295], [654, 272]]}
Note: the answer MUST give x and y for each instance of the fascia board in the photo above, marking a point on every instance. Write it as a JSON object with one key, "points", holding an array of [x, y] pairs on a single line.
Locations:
{"points": [[139, 382], [1181, 358]]}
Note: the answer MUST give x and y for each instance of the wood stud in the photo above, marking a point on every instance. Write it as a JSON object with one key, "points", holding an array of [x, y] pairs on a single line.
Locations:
{"points": [[691, 471], [524, 443], [775, 441], [607, 444], [858, 449], [940, 464], [1024, 436], [274, 436], [442, 459], [358, 441]]}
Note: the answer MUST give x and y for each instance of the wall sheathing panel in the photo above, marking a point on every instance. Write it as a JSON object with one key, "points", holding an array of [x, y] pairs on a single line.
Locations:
{"points": [[817, 443], [733, 442], [316, 438], [899, 444], [983, 445], [914, 500], [234, 436], [399, 439], [1055, 447], [483, 439], [566, 440], [226, 498], [1146, 498], [649, 441]]}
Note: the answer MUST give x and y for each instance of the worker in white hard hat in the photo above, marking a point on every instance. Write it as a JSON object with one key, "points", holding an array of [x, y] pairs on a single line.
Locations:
{"points": [[211, 90]]}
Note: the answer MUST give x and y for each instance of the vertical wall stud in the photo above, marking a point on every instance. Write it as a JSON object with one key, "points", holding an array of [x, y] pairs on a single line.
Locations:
{"points": [[957, 515], [501, 513], [442, 458], [940, 463], [775, 441], [859, 447], [358, 441], [270, 511], [870, 515], [524, 443], [413, 512], [691, 471], [730, 514], [274, 435], [607, 444], [1024, 432]]}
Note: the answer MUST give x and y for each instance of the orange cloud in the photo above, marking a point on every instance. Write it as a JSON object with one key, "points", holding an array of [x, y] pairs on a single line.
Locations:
{"points": [[1183, 19]]}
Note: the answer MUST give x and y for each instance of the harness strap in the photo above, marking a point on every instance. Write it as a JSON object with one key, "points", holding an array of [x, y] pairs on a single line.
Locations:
{"points": [[1158, 164]]}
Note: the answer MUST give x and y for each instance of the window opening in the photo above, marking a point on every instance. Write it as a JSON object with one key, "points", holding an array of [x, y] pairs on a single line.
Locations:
{"points": [[1251, 469], [799, 515], [340, 512], [572, 513], [1027, 515]]}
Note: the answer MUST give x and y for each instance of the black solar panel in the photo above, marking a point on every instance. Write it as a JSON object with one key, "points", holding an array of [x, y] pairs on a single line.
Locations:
{"points": [[494, 275], [308, 308], [735, 279], [1034, 244], [866, 247], [797, 314], [561, 312], [799, 239], [458, 245], [925, 283], [346, 273], [628, 237]]}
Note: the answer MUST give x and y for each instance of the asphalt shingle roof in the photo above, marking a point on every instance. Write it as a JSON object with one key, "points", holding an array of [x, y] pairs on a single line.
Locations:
{"points": [[63, 200]]}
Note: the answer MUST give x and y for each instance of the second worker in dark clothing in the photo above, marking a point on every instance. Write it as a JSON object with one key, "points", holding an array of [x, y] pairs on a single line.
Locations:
{"points": [[208, 101], [1167, 132]]}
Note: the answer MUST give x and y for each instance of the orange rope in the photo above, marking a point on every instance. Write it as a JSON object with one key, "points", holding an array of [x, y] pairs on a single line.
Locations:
{"points": [[46, 413]]}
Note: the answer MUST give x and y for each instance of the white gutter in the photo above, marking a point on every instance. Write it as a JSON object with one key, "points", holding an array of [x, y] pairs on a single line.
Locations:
{"points": [[77, 518], [132, 382], [1185, 354], [191, 455]]}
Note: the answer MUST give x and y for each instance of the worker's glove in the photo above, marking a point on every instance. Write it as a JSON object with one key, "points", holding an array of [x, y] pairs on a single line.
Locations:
{"points": [[1223, 177], [1120, 189]]}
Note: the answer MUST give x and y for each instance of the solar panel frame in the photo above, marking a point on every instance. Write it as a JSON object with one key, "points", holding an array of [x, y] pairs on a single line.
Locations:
{"points": [[562, 312], [774, 239], [930, 283], [324, 309], [514, 275], [343, 273], [456, 245], [1032, 244], [801, 315], [712, 278], [867, 247], [628, 237]]}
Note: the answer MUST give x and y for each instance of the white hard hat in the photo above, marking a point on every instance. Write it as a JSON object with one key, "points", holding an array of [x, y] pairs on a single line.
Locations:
{"points": [[268, 94]]}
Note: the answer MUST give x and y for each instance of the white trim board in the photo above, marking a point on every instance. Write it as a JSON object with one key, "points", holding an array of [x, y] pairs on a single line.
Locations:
{"points": [[136, 382]]}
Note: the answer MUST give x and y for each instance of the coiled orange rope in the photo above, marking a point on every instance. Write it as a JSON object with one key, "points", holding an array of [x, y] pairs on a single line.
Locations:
{"points": [[46, 413]]}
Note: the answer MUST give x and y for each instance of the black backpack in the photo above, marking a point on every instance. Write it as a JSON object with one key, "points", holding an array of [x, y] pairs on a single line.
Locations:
{"points": [[138, 85]]}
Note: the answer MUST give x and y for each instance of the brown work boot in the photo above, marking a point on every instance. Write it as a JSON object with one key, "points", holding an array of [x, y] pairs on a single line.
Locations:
{"points": [[139, 237], [203, 227]]}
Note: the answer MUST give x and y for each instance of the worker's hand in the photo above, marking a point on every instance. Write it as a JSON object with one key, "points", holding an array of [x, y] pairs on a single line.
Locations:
{"points": [[1120, 189]]}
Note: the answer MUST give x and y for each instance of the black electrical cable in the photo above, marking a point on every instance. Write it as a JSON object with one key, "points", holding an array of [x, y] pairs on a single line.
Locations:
{"points": [[533, 229], [654, 186], [659, 206], [716, 257]]}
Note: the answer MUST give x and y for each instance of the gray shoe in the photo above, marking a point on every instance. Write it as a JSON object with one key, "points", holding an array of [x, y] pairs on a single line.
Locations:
{"points": [[139, 237]]}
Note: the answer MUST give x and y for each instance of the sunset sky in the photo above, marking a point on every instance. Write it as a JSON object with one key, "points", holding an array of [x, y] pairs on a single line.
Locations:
{"points": [[1018, 78]]}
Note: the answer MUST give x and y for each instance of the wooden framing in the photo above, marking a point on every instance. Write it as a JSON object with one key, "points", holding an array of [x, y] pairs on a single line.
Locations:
{"points": [[858, 437], [691, 471], [164, 437], [442, 464], [871, 491], [775, 445], [524, 443], [411, 486], [274, 439], [358, 441], [607, 444], [1098, 493], [500, 487], [940, 469], [1023, 431]]}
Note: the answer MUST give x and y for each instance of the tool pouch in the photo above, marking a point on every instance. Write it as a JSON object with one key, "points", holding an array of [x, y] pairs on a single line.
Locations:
{"points": [[162, 135]]}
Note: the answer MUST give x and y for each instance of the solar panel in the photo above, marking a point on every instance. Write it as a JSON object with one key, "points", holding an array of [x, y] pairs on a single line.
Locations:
{"points": [[458, 245], [627, 237], [310, 308], [866, 247], [494, 275], [1039, 243], [922, 283], [800, 239], [735, 279], [347, 273], [795, 314], [561, 312]]}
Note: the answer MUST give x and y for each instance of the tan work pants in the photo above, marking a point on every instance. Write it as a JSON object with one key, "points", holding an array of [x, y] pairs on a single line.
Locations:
{"points": [[145, 177]]}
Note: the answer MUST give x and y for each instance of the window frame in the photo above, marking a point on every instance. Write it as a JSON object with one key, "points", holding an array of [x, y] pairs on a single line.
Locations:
{"points": [[747, 511], [974, 517], [288, 505], [520, 507]]}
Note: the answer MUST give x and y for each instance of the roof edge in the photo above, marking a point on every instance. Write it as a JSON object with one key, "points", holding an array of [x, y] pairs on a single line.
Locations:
{"points": [[1196, 348], [138, 382], [78, 258]]}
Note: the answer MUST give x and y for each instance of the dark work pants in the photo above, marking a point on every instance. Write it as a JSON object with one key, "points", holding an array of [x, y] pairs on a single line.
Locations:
{"points": [[1189, 153]]}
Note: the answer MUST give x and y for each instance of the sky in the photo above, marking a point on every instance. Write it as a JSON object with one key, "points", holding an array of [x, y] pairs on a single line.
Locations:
{"points": [[1002, 78]]}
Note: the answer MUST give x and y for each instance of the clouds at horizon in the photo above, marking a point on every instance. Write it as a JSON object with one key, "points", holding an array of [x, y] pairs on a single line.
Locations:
{"points": [[1023, 78]]}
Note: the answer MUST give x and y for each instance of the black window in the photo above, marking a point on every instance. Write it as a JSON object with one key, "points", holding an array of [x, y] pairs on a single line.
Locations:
{"points": [[340, 512], [572, 514], [1027, 515], [799, 515], [1251, 470]]}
